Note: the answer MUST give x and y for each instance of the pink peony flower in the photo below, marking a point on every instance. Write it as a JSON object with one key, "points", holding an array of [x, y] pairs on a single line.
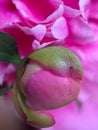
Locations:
{"points": [[72, 24], [50, 22]]}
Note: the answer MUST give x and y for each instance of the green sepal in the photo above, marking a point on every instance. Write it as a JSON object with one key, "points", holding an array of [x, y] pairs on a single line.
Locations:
{"points": [[21, 68], [8, 49], [58, 59], [38, 119]]}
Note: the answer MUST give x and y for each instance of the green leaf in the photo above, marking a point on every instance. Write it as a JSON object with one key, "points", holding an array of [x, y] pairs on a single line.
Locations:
{"points": [[8, 49]]}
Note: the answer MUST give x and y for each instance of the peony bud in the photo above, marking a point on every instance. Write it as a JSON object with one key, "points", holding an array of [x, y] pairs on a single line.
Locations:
{"points": [[47, 79]]}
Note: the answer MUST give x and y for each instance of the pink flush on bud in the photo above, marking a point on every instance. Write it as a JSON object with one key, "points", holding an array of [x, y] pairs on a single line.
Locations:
{"points": [[45, 90], [51, 79]]}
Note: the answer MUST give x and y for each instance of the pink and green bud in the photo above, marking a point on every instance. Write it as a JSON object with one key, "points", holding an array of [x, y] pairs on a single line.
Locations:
{"points": [[47, 79]]}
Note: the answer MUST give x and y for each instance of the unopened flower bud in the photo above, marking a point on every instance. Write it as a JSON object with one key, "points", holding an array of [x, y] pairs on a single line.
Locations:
{"points": [[48, 79]]}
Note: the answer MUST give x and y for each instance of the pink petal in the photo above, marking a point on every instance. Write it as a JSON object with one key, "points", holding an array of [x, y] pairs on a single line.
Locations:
{"points": [[90, 12], [38, 31], [73, 118], [8, 13], [59, 29], [72, 4], [84, 7], [80, 31], [10, 74], [70, 12], [37, 45], [36, 11], [7, 73], [56, 14], [89, 8]]}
